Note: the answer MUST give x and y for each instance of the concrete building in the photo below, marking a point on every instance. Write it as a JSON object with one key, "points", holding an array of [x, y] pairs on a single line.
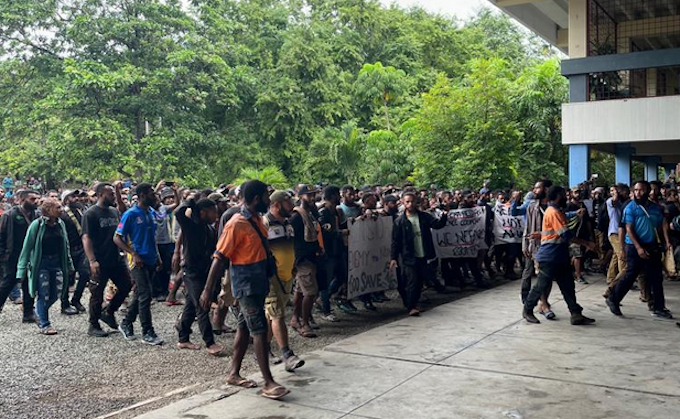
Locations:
{"points": [[624, 78]]}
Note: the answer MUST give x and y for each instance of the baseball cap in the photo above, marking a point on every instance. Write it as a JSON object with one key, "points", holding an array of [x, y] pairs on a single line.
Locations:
{"points": [[167, 193], [390, 198], [217, 197], [307, 189], [280, 196], [69, 192]]}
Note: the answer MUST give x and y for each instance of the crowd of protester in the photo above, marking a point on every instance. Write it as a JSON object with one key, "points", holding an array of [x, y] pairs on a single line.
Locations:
{"points": [[254, 253]]}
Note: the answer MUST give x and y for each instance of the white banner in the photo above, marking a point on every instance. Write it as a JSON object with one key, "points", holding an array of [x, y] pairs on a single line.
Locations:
{"points": [[370, 241], [506, 228], [463, 235]]}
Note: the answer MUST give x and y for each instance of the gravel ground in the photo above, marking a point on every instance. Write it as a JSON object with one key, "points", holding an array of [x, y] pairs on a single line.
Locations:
{"points": [[73, 376]]}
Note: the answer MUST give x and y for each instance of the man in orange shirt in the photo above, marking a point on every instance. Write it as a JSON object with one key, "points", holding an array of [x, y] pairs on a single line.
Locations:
{"points": [[553, 259], [244, 243]]}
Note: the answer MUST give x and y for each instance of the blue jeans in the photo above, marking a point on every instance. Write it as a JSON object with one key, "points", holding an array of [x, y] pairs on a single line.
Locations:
{"points": [[50, 283], [16, 292]]}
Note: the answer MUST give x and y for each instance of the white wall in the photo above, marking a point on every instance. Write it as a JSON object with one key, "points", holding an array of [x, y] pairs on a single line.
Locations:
{"points": [[621, 121]]}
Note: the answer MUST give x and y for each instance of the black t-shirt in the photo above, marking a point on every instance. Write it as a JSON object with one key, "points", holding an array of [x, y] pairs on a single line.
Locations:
{"points": [[198, 240], [226, 217], [304, 250], [52, 241], [583, 230], [100, 225]]}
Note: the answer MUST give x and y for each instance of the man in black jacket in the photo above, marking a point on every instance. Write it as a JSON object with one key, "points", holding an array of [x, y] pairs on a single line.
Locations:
{"points": [[412, 242], [13, 227], [73, 220]]}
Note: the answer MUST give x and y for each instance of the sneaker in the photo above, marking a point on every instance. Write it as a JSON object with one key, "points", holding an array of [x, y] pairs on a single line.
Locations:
{"points": [[582, 280], [274, 359], [663, 314], [79, 307], [330, 317], [109, 319], [370, 307], [382, 298], [70, 311], [351, 306], [578, 319], [151, 338], [613, 307], [96, 332], [31, 318], [342, 306], [127, 331], [293, 363], [313, 324]]}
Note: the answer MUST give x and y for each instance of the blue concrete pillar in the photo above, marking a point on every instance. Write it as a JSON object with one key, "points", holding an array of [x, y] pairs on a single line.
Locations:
{"points": [[623, 168], [579, 163], [652, 168]]}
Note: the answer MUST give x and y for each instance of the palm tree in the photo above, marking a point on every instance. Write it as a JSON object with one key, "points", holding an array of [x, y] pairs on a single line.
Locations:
{"points": [[271, 175]]}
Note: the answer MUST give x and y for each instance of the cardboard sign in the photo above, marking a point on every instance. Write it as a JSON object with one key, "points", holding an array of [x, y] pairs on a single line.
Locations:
{"points": [[506, 228], [463, 236], [370, 241]]}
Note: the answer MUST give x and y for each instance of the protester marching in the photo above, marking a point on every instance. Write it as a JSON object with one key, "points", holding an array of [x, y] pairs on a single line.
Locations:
{"points": [[281, 261]]}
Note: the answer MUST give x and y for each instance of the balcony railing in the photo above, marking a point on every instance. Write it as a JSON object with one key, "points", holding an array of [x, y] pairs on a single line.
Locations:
{"points": [[636, 83]]}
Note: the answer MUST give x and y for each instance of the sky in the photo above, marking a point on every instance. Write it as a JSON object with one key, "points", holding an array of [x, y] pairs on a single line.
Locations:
{"points": [[463, 9]]}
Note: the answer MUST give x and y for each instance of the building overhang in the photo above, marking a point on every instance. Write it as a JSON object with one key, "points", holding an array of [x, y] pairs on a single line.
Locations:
{"points": [[650, 125], [549, 19]]}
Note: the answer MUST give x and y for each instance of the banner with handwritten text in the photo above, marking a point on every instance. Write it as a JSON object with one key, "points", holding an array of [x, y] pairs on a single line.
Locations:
{"points": [[463, 236], [369, 257], [506, 228]]}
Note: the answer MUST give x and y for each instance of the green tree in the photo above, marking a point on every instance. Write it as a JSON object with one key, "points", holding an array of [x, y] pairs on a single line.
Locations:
{"points": [[334, 155], [540, 92], [200, 90], [381, 87], [388, 158], [270, 175], [469, 131]]}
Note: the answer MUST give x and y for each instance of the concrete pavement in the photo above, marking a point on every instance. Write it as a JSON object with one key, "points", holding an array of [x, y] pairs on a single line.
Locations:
{"points": [[476, 358]]}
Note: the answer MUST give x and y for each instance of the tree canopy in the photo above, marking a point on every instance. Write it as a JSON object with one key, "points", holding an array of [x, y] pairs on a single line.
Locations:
{"points": [[299, 90]]}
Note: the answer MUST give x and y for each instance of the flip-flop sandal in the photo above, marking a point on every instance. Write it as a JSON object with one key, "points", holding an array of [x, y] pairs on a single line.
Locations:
{"points": [[192, 346], [548, 314], [306, 333], [244, 383], [276, 393], [219, 354], [173, 303], [48, 331]]}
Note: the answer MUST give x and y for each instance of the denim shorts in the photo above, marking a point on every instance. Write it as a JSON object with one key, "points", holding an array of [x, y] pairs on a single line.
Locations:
{"points": [[251, 314]]}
